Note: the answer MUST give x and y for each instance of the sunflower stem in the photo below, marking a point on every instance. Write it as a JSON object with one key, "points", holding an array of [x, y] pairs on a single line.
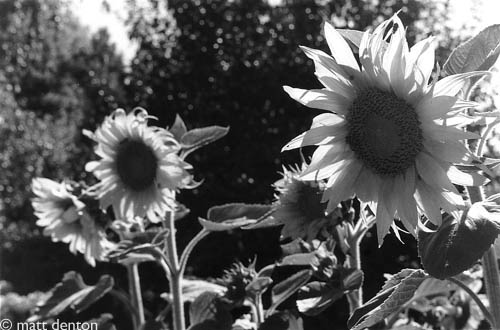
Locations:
{"points": [[189, 248], [175, 276], [490, 268], [355, 298], [135, 294]]}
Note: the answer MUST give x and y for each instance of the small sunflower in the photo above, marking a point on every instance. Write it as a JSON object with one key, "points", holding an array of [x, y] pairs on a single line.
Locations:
{"points": [[64, 218], [298, 206], [139, 169], [236, 280], [389, 137]]}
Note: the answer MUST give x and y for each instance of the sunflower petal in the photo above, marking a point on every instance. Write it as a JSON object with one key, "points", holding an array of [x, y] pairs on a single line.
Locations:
{"points": [[451, 85], [319, 99], [317, 136], [466, 179], [339, 47]]}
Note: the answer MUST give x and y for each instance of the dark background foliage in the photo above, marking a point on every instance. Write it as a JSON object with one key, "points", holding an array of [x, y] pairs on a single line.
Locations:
{"points": [[212, 62]]}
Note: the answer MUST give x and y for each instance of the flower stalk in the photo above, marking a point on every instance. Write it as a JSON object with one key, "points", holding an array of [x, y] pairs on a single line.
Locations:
{"points": [[135, 294], [175, 275], [355, 298]]}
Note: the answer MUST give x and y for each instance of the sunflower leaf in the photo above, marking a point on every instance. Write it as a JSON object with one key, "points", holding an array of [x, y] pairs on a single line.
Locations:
{"points": [[178, 128], [477, 54], [199, 137], [394, 294], [234, 215], [208, 311], [72, 293], [298, 259], [458, 243], [285, 289], [313, 298]]}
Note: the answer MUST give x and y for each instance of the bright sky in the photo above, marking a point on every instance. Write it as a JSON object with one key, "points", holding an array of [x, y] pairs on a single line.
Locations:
{"points": [[94, 16]]}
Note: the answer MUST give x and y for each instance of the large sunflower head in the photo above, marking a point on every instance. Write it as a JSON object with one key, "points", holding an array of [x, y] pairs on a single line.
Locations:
{"points": [[389, 137], [139, 169], [65, 219]]}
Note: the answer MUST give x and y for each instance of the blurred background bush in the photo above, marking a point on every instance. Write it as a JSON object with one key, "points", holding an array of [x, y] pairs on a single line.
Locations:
{"points": [[211, 61]]}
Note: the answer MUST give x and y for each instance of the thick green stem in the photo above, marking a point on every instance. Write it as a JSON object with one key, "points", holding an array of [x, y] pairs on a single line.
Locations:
{"points": [[490, 269], [134, 287], [175, 276], [355, 298]]}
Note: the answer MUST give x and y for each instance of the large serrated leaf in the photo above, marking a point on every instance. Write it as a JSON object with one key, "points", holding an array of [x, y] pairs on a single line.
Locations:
{"points": [[387, 301], [477, 54], [457, 244], [232, 216], [72, 293]]}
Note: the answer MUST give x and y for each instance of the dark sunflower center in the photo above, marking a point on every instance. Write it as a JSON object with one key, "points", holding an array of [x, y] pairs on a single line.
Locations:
{"points": [[136, 164], [384, 132]]}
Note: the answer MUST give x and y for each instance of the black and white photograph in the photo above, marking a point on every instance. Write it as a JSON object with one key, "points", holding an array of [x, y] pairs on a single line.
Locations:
{"points": [[249, 165]]}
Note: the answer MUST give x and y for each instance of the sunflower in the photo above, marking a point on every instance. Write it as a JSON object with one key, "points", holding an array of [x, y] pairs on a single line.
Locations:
{"points": [[65, 218], [389, 137], [139, 169], [298, 206]]}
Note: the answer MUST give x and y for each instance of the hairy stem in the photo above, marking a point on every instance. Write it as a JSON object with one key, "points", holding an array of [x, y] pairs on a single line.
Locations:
{"points": [[134, 287], [354, 238], [175, 275]]}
